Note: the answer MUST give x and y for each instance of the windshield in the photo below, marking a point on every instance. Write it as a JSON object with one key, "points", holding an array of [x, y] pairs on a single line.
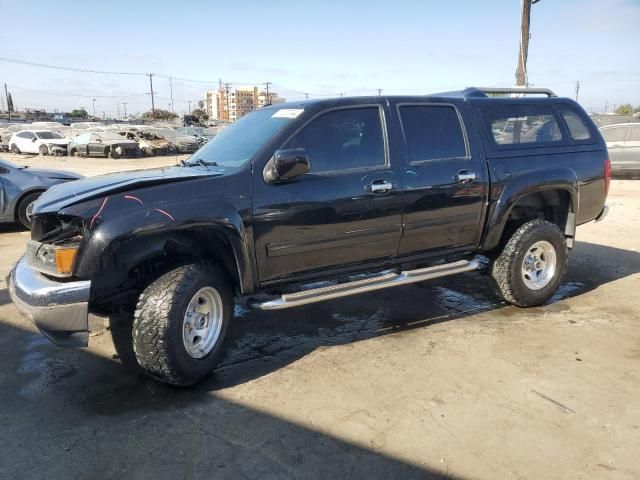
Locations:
{"points": [[48, 135], [237, 143]]}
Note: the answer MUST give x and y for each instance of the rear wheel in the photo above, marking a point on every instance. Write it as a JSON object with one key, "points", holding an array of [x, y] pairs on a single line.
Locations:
{"points": [[530, 268], [23, 209], [15, 149], [181, 322], [43, 150]]}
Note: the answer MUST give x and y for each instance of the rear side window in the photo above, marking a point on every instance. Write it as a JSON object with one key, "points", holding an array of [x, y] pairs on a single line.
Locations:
{"points": [[615, 134], [432, 132], [578, 128], [522, 124]]}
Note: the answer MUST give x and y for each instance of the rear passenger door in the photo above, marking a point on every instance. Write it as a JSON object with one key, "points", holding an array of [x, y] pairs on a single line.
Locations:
{"points": [[444, 179]]}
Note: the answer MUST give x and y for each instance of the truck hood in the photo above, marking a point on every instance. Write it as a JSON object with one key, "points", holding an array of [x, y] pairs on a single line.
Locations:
{"points": [[71, 193]]}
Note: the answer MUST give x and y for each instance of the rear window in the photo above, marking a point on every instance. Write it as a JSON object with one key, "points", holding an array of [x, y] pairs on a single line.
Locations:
{"points": [[432, 132], [578, 128], [522, 124]]}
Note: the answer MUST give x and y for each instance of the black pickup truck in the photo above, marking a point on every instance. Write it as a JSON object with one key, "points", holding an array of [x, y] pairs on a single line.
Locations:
{"points": [[358, 194]]}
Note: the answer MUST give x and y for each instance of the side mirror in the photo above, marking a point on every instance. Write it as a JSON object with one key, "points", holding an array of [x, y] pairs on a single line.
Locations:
{"points": [[34, 139], [98, 140], [287, 164]]}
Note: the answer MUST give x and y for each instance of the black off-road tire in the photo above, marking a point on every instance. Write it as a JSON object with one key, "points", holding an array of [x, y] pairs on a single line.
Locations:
{"points": [[507, 267], [158, 323], [15, 149], [22, 208]]}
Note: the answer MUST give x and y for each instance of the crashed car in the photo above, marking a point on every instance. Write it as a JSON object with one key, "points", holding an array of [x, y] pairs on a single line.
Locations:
{"points": [[44, 142], [20, 186], [103, 144], [180, 143], [149, 143]]}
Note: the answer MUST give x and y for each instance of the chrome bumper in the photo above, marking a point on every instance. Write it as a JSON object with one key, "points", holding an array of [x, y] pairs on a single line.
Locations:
{"points": [[59, 309], [602, 214]]}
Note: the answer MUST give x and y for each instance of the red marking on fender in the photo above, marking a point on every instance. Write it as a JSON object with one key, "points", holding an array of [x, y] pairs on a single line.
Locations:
{"points": [[165, 213], [93, 219], [131, 197]]}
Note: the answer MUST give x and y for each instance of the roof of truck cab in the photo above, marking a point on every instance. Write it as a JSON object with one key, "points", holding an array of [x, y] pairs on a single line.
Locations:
{"points": [[467, 93]]}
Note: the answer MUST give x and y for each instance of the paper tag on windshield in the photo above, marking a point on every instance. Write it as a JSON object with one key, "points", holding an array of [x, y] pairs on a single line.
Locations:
{"points": [[288, 113]]}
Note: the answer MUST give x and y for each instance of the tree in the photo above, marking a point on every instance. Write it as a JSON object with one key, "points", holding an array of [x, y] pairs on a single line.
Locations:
{"points": [[200, 114], [159, 114], [625, 109], [201, 104], [79, 113], [10, 103]]}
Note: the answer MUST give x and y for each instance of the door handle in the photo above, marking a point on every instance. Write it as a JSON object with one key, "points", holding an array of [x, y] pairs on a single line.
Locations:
{"points": [[380, 186], [465, 176]]}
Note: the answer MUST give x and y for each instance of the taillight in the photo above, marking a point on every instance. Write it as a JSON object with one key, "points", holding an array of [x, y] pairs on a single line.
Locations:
{"points": [[607, 176]]}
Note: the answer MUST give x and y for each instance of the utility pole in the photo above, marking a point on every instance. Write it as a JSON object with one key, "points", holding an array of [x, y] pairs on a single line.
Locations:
{"points": [[118, 109], [577, 89], [341, 94], [94, 107], [606, 105], [268, 97], [153, 104], [306, 96], [379, 91], [171, 89], [189, 102], [521, 72], [6, 94], [124, 104]]}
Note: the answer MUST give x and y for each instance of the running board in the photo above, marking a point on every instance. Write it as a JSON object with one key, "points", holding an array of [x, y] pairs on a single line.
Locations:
{"points": [[367, 285]]}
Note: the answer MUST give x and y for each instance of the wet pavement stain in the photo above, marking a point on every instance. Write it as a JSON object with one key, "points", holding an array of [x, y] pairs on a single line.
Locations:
{"points": [[47, 372]]}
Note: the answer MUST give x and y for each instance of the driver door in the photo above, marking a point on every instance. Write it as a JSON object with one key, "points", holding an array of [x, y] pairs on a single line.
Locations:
{"points": [[346, 210]]}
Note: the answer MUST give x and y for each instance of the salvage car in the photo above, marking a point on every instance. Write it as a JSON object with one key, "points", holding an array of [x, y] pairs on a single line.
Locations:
{"points": [[203, 135], [21, 186], [44, 142], [623, 143], [355, 194], [149, 143], [180, 143], [103, 144]]}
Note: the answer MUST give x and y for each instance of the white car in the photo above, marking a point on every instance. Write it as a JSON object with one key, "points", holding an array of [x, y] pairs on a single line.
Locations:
{"points": [[44, 142]]}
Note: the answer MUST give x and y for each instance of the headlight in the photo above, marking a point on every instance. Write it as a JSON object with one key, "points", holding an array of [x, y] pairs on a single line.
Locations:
{"points": [[56, 260]]}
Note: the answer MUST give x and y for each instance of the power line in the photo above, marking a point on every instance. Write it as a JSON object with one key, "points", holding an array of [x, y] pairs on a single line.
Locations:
{"points": [[70, 69], [63, 94]]}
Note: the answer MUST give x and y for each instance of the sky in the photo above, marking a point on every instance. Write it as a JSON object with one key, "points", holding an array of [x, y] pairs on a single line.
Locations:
{"points": [[322, 48]]}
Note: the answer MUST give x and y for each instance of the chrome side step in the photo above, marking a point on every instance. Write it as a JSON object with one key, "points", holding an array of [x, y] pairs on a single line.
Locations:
{"points": [[367, 285]]}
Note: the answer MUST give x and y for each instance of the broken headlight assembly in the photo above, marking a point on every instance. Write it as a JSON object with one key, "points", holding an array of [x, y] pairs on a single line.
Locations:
{"points": [[56, 259]]}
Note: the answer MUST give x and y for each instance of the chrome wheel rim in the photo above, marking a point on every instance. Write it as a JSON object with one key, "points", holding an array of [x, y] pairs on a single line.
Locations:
{"points": [[202, 322], [539, 265]]}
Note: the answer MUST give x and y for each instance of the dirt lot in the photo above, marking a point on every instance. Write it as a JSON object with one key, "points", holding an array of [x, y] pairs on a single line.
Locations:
{"points": [[438, 380]]}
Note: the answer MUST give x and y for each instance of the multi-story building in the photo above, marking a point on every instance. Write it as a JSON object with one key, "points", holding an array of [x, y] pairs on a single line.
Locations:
{"points": [[232, 104], [211, 103]]}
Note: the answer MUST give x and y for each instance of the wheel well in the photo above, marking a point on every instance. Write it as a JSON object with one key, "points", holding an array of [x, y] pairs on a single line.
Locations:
{"points": [[550, 205], [139, 262], [16, 210]]}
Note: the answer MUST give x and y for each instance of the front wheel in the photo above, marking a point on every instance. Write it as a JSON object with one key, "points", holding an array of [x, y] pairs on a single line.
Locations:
{"points": [[24, 216], [181, 322], [530, 268], [15, 149], [43, 150]]}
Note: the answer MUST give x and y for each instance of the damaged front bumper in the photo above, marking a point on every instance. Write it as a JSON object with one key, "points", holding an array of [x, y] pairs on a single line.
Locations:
{"points": [[60, 309]]}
